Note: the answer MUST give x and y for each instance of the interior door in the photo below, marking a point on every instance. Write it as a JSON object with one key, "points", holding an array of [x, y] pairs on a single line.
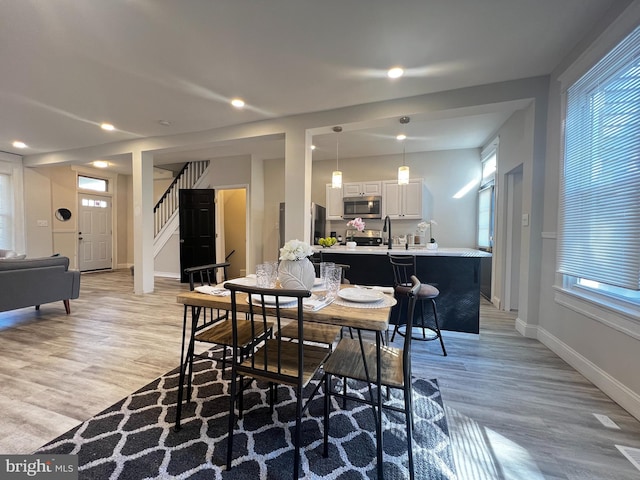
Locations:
{"points": [[95, 242], [197, 229]]}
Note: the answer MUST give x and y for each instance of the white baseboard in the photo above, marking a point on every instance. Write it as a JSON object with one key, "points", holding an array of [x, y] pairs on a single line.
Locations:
{"points": [[618, 392], [496, 302], [167, 274], [526, 330]]}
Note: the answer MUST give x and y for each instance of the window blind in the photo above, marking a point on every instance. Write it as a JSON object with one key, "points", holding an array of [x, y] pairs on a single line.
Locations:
{"points": [[6, 212], [600, 180]]}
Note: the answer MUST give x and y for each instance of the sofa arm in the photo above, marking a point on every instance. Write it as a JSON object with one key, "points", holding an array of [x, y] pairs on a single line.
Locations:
{"points": [[75, 283]]}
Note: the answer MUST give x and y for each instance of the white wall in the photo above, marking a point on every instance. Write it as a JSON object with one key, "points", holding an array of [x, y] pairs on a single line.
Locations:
{"points": [[586, 337], [37, 194]]}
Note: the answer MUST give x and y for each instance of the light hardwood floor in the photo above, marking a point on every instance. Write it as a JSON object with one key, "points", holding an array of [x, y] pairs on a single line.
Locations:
{"points": [[515, 409]]}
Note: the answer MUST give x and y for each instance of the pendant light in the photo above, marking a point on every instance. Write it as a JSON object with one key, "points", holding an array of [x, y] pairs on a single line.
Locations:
{"points": [[403, 171], [336, 176]]}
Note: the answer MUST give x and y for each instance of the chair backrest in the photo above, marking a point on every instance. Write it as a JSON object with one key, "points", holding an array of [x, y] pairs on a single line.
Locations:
{"points": [[206, 274], [267, 305], [404, 266], [412, 295]]}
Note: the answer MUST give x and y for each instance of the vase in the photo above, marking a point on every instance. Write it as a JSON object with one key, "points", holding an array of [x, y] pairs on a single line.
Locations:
{"points": [[296, 274]]}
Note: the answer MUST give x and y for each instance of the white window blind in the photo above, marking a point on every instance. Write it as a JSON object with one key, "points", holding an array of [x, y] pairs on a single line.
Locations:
{"points": [[600, 186], [485, 218], [6, 212]]}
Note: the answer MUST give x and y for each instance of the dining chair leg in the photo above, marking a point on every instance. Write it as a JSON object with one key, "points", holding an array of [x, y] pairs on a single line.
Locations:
{"points": [[298, 434], [437, 324], [190, 353], [232, 419], [327, 400], [273, 389], [240, 395], [409, 421], [396, 316], [344, 393]]}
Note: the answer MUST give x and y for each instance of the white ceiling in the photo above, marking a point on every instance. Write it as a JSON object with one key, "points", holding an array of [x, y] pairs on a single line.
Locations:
{"points": [[69, 65]]}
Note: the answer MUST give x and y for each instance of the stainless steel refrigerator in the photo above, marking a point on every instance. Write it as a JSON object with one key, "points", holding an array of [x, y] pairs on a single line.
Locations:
{"points": [[318, 224]]}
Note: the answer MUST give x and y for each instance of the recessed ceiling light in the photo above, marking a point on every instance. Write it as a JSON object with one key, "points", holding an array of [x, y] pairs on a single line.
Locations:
{"points": [[107, 126], [313, 147], [395, 72], [402, 136], [237, 102], [100, 164], [164, 123], [19, 144]]}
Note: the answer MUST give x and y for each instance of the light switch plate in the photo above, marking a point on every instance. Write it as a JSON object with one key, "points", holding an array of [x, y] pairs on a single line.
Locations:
{"points": [[525, 219], [43, 223]]}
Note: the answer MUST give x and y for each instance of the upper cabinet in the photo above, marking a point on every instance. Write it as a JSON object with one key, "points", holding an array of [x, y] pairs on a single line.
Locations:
{"points": [[364, 189], [402, 201], [334, 203]]}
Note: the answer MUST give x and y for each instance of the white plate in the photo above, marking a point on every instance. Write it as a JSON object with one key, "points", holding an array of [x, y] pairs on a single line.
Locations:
{"points": [[270, 300], [360, 295], [249, 281]]}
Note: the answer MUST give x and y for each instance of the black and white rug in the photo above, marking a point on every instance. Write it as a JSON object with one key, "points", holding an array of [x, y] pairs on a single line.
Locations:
{"points": [[135, 438]]}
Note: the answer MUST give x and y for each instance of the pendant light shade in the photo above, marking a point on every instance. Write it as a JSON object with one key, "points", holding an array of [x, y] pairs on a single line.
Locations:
{"points": [[403, 175], [336, 179], [403, 171], [336, 176]]}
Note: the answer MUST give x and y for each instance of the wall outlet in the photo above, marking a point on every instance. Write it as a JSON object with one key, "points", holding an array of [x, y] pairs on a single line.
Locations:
{"points": [[43, 223]]}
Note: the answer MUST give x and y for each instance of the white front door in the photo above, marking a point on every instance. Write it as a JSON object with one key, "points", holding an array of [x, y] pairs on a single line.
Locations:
{"points": [[94, 232]]}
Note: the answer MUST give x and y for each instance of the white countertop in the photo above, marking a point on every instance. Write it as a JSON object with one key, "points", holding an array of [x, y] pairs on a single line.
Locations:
{"points": [[400, 250]]}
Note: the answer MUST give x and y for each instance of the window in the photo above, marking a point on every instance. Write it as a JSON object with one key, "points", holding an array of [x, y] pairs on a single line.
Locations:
{"points": [[90, 183], [599, 231], [6, 212], [486, 200]]}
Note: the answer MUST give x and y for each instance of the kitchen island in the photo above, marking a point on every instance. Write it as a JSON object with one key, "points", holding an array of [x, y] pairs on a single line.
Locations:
{"points": [[454, 271]]}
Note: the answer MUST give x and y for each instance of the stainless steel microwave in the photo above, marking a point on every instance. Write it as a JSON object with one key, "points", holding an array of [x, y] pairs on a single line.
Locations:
{"points": [[363, 207]]}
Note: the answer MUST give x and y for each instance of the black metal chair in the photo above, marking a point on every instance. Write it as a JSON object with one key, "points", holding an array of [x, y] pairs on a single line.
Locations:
{"points": [[213, 327], [404, 267], [355, 359], [277, 360]]}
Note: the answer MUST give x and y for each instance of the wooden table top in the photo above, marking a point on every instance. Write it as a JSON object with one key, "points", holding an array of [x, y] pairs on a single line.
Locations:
{"points": [[376, 319]]}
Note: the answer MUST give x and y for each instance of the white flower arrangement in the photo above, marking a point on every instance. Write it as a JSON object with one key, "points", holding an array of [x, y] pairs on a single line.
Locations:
{"points": [[295, 250], [422, 227]]}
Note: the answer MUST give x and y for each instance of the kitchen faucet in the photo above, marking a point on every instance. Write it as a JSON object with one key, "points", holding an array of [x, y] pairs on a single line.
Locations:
{"points": [[384, 229]]}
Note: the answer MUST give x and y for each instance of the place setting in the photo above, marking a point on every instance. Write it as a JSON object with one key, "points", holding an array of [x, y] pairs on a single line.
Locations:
{"points": [[361, 297]]}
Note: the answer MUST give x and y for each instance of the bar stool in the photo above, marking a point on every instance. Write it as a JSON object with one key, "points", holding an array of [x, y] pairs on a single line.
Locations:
{"points": [[404, 266]]}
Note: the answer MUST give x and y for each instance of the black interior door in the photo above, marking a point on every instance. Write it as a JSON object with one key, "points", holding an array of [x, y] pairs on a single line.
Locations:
{"points": [[197, 229]]}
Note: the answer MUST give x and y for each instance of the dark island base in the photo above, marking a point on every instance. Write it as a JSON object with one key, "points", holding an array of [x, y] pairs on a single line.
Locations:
{"points": [[457, 278]]}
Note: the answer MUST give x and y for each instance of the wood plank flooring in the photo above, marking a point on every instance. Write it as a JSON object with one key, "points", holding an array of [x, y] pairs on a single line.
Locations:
{"points": [[515, 409]]}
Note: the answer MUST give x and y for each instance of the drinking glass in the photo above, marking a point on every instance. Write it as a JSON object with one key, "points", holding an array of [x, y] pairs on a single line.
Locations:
{"points": [[324, 268], [262, 275], [273, 273], [332, 281]]}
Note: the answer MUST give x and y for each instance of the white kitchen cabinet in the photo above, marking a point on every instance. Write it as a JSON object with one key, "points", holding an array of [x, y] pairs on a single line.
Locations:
{"points": [[362, 189], [334, 203], [402, 201]]}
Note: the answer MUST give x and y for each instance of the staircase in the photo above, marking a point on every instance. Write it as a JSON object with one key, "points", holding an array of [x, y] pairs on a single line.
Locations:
{"points": [[165, 213]]}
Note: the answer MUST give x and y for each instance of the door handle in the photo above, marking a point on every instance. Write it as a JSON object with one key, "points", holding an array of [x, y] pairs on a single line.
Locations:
{"points": [[181, 240], [79, 238]]}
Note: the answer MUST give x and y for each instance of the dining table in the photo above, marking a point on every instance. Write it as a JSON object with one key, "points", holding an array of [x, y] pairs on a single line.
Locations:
{"points": [[357, 315]]}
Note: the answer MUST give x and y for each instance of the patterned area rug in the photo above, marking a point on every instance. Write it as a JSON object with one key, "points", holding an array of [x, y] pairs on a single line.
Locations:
{"points": [[135, 438]]}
